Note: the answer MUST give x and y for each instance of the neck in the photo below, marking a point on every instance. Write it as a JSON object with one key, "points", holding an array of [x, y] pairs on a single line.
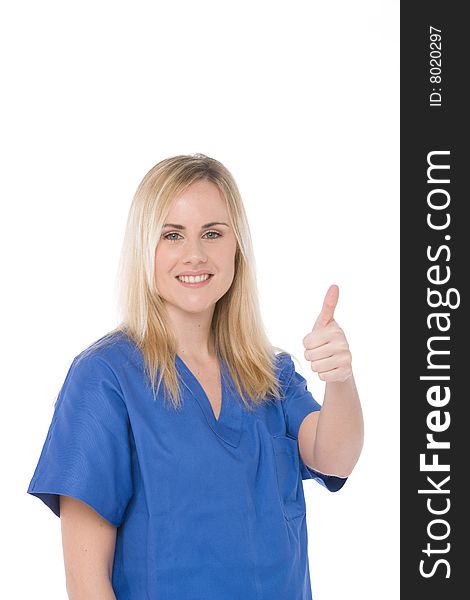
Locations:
{"points": [[193, 334]]}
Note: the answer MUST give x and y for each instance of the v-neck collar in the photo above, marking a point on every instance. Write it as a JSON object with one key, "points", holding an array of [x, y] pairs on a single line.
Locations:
{"points": [[229, 424]]}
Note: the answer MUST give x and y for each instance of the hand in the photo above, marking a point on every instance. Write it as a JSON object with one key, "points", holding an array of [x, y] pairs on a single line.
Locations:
{"points": [[326, 346]]}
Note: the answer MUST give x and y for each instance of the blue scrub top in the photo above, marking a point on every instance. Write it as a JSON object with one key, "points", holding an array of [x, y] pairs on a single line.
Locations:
{"points": [[206, 509]]}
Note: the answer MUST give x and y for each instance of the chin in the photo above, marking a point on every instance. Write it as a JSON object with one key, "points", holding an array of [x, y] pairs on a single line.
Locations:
{"points": [[194, 308]]}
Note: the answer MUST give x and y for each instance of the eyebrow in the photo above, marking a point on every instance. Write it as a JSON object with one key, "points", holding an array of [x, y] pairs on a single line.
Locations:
{"points": [[176, 226]]}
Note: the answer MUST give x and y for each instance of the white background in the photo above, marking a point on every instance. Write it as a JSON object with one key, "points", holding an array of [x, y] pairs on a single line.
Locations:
{"points": [[300, 101]]}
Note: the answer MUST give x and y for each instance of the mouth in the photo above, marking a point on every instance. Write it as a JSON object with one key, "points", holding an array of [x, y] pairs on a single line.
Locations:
{"points": [[194, 282]]}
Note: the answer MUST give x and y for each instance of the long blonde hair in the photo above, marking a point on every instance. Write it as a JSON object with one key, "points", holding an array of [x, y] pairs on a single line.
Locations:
{"points": [[237, 328]]}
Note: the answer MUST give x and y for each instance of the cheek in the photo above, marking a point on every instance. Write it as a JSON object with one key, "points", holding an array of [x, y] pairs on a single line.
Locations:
{"points": [[163, 258], [160, 251], [161, 268], [227, 251], [227, 258]]}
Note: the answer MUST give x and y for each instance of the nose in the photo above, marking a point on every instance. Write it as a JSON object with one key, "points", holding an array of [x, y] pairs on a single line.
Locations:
{"points": [[194, 252]]}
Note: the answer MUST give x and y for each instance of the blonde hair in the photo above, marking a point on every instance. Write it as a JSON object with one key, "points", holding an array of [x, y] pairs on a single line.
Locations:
{"points": [[237, 328]]}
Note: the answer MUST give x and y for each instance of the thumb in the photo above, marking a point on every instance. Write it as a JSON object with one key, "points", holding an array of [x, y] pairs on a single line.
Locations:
{"points": [[328, 309]]}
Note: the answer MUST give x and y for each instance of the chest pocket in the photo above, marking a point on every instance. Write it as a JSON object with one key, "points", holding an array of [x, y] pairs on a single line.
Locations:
{"points": [[289, 480]]}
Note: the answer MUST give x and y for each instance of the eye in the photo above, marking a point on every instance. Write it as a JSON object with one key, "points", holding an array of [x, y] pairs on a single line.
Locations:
{"points": [[171, 233], [216, 233]]}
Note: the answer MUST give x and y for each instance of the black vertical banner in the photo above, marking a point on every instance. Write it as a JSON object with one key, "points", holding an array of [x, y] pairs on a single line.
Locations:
{"points": [[434, 262]]}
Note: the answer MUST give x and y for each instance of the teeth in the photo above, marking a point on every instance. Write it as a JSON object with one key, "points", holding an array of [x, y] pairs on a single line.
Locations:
{"points": [[191, 279]]}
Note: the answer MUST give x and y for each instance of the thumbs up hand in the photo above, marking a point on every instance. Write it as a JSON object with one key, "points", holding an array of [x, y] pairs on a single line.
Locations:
{"points": [[326, 346]]}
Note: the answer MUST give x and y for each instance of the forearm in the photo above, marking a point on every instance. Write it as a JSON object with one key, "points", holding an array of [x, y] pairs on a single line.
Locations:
{"points": [[340, 429], [98, 590]]}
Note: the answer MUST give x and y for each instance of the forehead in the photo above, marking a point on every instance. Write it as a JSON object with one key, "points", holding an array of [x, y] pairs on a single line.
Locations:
{"points": [[201, 200]]}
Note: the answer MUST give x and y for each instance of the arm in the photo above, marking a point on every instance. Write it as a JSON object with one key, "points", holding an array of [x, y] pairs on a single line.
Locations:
{"points": [[88, 544], [330, 440]]}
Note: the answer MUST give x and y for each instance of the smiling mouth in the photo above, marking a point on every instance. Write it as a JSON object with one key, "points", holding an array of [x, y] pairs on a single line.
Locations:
{"points": [[194, 279], [191, 280]]}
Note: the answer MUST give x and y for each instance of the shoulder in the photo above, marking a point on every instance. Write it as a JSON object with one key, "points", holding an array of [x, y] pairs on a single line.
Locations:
{"points": [[93, 380], [99, 366], [284, 366], [111, 352]]}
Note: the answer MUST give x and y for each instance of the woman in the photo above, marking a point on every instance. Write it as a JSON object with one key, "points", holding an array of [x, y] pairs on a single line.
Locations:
{"points": [[179, 440]]}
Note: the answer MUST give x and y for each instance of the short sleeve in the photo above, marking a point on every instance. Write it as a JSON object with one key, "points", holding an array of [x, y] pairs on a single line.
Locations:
{"points": [[298, 402], [87, 451]]}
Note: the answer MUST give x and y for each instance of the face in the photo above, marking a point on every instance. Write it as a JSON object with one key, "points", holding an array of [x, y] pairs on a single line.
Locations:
{"points": [[197, 238]]}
